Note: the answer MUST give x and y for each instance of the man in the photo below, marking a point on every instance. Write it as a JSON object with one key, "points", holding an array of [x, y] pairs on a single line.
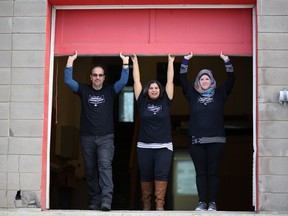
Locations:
{"points": [[97, 129]]}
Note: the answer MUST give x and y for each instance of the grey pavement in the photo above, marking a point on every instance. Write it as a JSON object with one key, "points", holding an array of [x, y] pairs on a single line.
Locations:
{"points": [[38, 212]]}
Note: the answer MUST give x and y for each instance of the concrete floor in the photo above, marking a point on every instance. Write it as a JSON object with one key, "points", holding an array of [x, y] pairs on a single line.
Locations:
{"points": [[38, 212]]}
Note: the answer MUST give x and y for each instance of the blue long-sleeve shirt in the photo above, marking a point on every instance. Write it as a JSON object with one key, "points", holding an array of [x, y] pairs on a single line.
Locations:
{"points": [[96, 105], [74, 85]]}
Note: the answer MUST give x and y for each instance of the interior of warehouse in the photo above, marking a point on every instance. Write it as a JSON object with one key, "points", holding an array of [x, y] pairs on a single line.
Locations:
{"points": [[67, 174]]}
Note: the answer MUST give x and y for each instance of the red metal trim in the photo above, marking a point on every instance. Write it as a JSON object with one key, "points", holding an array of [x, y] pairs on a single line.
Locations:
{"points": [[257, 120], [51, 3], [146, 2], [45, 108]]}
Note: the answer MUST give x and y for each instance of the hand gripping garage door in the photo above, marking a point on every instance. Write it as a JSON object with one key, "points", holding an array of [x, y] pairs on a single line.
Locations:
{"points": [[154, 31]]}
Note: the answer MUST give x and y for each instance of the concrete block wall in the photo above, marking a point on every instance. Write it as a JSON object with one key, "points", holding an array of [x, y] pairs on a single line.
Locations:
{"points": [[273, 117], [22, 50]]}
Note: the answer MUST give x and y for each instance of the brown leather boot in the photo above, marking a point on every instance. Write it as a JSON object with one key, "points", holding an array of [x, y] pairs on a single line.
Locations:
{"points": [[147, 188], [160, 192]]}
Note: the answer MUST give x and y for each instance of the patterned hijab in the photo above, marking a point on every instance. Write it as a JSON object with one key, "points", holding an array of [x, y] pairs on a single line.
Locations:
{"points": [[211, 90]]}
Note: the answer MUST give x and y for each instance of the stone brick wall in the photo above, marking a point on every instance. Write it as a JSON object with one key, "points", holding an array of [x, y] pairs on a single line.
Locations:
{"points": [[273, 124]]}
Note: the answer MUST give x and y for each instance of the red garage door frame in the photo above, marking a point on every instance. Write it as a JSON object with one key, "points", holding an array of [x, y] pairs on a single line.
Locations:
{"points": [[150, 2], [54, 5]]}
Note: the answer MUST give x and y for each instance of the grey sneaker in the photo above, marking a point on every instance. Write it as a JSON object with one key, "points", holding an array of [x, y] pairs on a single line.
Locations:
{"points": [[105, 207], [94, 207], [212, 206], [202, 206]]}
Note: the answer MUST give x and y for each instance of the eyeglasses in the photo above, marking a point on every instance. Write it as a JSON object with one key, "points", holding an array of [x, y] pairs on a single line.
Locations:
{"points": [[97, 75]]}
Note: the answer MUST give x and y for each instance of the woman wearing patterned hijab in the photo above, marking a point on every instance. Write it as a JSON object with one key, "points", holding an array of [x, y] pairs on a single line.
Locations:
{"points": [[206, 128]]}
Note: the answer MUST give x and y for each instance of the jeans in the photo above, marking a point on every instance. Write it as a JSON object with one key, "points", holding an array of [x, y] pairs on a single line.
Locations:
{"points": [[206, 159], [98, 153]]}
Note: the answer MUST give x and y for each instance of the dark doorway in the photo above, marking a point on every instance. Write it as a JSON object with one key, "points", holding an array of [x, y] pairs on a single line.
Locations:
{"points": [[67, 182]]}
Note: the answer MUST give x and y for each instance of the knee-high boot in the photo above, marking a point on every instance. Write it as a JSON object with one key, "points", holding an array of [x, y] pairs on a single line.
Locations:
{"points": [[160, 192], [147, 188]]}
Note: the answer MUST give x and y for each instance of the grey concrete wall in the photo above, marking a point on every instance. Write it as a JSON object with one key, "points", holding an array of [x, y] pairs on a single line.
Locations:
{"points": [[273, 124], [22, 49]]}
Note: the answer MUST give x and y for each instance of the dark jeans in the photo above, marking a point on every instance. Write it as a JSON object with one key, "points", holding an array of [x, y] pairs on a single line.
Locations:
{"points": [[98, 153], [154, 164], [206, 159]]}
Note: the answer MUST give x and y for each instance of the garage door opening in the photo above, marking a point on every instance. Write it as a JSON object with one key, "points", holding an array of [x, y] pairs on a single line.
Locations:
{"points": [[67, 179]]}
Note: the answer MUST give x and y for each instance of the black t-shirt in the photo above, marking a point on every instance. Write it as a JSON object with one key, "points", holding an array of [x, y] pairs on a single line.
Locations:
{"points": [[96, 110], [155, 124], [206, 113]]}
